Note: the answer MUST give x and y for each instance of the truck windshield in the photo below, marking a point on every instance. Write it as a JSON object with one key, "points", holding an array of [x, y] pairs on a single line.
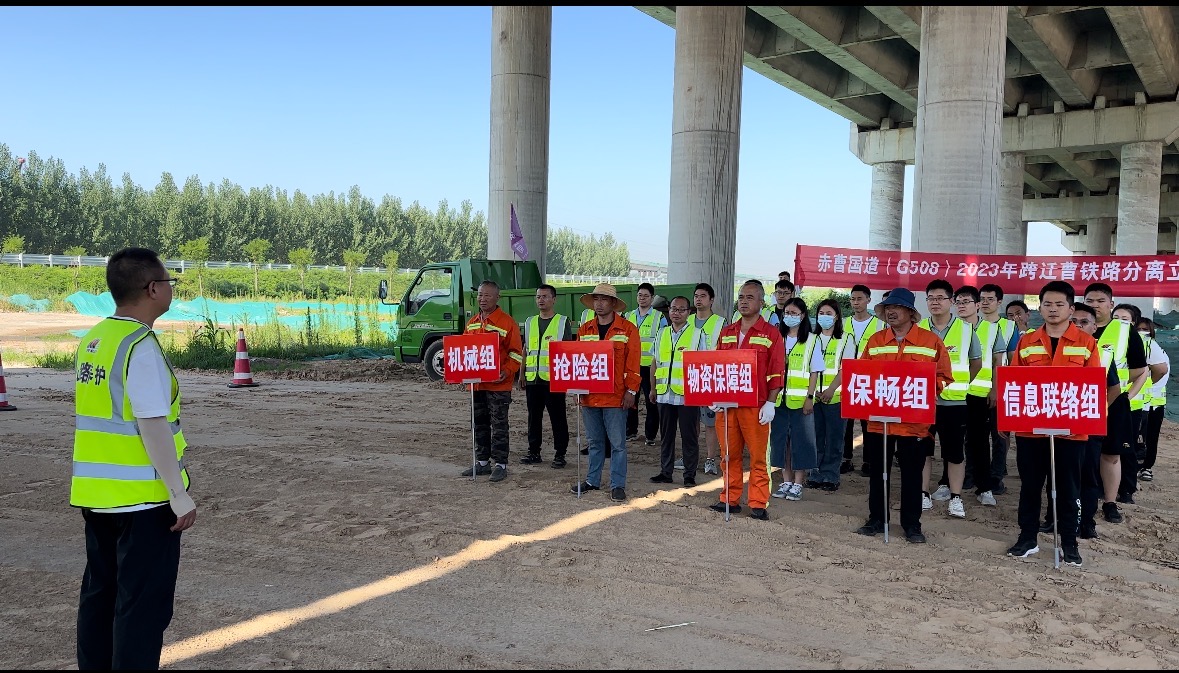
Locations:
{"points": [[430, 284]]}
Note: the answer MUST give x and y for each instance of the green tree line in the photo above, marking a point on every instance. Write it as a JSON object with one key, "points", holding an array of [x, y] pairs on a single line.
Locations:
{"points": [[52, 210]]}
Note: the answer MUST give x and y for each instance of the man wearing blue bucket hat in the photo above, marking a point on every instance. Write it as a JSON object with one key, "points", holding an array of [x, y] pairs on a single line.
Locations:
{"points": [[902, 341]]}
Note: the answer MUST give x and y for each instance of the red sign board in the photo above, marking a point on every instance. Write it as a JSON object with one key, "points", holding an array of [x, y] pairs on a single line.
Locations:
{"points": [[581, 366], [1031, 399], [471, 358], [889, 389], [720, 377], [1128, 275]]}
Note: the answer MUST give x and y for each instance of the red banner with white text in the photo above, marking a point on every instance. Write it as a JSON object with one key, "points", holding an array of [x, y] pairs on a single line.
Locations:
{"points": [[1128, 275]]}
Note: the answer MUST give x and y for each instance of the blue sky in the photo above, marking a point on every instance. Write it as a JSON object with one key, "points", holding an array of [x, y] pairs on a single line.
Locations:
{"points": [[396, 101]]}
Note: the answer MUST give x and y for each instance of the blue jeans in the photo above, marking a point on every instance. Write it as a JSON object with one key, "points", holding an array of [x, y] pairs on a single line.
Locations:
{"points": [[602, 424], [791, 428], [829, 440]]}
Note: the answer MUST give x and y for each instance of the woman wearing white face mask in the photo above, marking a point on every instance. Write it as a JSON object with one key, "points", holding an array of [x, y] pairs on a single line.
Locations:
{"points": [[796, 406], [1157, 397], [835, 345]]}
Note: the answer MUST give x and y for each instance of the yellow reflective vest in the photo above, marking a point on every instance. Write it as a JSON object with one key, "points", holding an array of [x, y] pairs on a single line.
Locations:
{"points": [[988, 332], [536, 345], [587, 315], [874, 325], [798, 373], [709, 334], [1144, 396], [670, 369], [833, 361], [957, 342], [1114, 342], [111, 467], [648, 327]]}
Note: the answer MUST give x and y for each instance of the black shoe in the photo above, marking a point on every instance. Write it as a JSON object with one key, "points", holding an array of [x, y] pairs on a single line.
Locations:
{"points": [[1072, 555], [865, 471], [1023, 549], [531, 459], [585, 486], [845, 467], [1046, 527], [689, 481], [498, 473], [915, 536], [999, 488], [1110, 511], [829, 487], [720, 507], [759, 514], [584, 452], [1088, 531], [871, 528], [650, 442], [558, 463], [632, 437], [662, 479], [811, 483], [480, 470], [1126, 498], [618, 494]]}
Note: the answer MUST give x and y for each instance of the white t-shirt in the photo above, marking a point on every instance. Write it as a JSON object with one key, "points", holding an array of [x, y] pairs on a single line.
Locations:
{"points": [[1158, 356], [858, 327], [149, 387]]}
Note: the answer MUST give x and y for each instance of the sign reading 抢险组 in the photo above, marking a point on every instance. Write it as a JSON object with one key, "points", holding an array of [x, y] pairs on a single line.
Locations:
{"points": [[1128, 275]]}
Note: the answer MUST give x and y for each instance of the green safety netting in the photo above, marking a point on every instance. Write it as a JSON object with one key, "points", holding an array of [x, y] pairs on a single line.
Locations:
{"points": [[359, 354]]}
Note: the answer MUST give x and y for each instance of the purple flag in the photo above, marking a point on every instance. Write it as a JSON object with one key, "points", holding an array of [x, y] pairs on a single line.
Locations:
{"points": [[518, 245]]}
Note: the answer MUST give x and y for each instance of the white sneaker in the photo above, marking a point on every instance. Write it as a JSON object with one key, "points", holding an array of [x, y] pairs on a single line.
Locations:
{"points": [[783, 490], [942, 493], [987, 498], [926, 503], [795, 492], [957, 509], [679, 464]]}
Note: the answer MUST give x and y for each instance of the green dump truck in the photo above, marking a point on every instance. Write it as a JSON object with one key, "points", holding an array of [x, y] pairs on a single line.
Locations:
{"points": [[442, 298]]}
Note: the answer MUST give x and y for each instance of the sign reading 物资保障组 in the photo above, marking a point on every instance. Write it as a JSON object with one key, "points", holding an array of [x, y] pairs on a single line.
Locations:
{"points": [[471, 358], [1051, 398], [889, 389], [720, 377]]}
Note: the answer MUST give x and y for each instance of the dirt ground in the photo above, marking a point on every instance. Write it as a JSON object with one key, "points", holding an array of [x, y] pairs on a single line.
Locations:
{"points": [[334, 531]]}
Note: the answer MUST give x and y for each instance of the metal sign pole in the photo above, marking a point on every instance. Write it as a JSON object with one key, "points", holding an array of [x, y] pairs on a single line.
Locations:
{"points": [[578, 394], [725, 407], [474, 458], [884, 466], [1051, 434]]}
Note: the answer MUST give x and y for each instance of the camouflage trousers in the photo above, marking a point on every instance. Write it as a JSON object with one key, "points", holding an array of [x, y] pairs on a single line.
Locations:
{"points": [[491, 425]]}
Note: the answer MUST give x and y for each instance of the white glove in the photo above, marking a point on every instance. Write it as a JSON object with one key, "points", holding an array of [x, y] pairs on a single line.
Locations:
{"points": [[714, 409], [766, 414]]}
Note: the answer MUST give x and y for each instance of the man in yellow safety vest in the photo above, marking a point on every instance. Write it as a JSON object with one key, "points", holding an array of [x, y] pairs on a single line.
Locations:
{"points": [[649, 321], [539, 330], [667, 389]]}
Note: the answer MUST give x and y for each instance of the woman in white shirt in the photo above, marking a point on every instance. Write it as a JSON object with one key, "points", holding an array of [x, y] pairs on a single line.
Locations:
{"points": [[1157, 401], [792, 437], [835, 345]]}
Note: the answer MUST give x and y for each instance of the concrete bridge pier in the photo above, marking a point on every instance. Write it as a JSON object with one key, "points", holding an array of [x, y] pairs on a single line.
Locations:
{"points": [[1011, 237], [884, 216], [1138, 207]]}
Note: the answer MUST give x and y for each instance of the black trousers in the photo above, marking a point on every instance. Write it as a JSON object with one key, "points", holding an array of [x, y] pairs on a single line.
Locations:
{"points": [[978, 442], [848, 432], [911, 459], [687, 421], [651, 417], [1032, 457], [1154, 426], [539, 400], [1120, 441], [491, 425], [1091, 490], [128, 589], [998, 450]]}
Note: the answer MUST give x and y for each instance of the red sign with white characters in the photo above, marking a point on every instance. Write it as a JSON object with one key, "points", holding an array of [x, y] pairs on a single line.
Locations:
{"points": [[720, 377], [902, 390], [1128, 275], [581, 366], [471, 358], [1051, 398]]}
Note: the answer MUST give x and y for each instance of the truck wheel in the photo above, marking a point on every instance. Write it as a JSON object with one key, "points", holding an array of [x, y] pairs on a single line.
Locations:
{"points": [[432, 361]]}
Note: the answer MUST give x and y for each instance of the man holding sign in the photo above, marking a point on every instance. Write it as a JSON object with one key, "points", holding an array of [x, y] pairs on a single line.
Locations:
{"points": [[605, 413], [750, 426], [902, 341], [1055, 344], [491, 400]]}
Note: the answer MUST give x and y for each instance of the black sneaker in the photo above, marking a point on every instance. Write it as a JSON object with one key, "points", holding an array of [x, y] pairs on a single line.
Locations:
{"points": [[618, 494], [585, 486], [759, 513], [498, 473], [1023, 549], [999, 488], [632, 437], [650, 442], [531, 459], [1046, 527], [865, 471], [480, 470], [1110, 511], [662, 479], [811, 483], [1126, 499], [720, 507], [845, 467], [558, 463], [585, 452], [915, 536], [1072, 555], [829, 487], [1088, 531], [871, 528]]}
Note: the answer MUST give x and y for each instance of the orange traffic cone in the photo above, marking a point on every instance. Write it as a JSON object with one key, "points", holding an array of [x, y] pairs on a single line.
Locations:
{"points": [[4, 405], [242, 377]]}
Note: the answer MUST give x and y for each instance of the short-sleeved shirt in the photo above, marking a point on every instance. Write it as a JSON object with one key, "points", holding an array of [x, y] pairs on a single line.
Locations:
{"points": [[975, 353], [818, 360], [1058, 357], [922, 340]]}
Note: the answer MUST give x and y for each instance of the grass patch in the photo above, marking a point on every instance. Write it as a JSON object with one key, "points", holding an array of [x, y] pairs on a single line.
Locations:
{"points": [[54, 360]]}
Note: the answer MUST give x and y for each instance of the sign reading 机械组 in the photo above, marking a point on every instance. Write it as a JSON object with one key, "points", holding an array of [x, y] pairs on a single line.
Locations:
{"points": [[471, 358]]}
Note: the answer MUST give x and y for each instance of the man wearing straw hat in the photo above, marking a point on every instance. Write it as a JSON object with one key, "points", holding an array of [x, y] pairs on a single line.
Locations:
{"points": [[902, 341], [604, 414]]}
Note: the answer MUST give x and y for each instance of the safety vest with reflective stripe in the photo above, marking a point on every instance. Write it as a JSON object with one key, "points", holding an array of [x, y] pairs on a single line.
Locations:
{"points": [[1144, 396], [587, 314], [874, 325], [536, 357], [766, 312], [647, 328], [671, 369], [988, 332], [709, 334], [1114, 342], [957, 342], [833, 359], [111, 466], [798, 373]]}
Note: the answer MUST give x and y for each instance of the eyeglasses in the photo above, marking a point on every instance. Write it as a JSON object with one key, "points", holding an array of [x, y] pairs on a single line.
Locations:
{"points": [[170, 281], [963, 302], [795, 315], [936, 298], [678, 309]]}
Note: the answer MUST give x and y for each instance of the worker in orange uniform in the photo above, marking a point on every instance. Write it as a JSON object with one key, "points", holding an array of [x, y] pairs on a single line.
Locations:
{"points": [[749, 427], [491, 400], [1057, 343], [604, 414], [902, 341]]}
